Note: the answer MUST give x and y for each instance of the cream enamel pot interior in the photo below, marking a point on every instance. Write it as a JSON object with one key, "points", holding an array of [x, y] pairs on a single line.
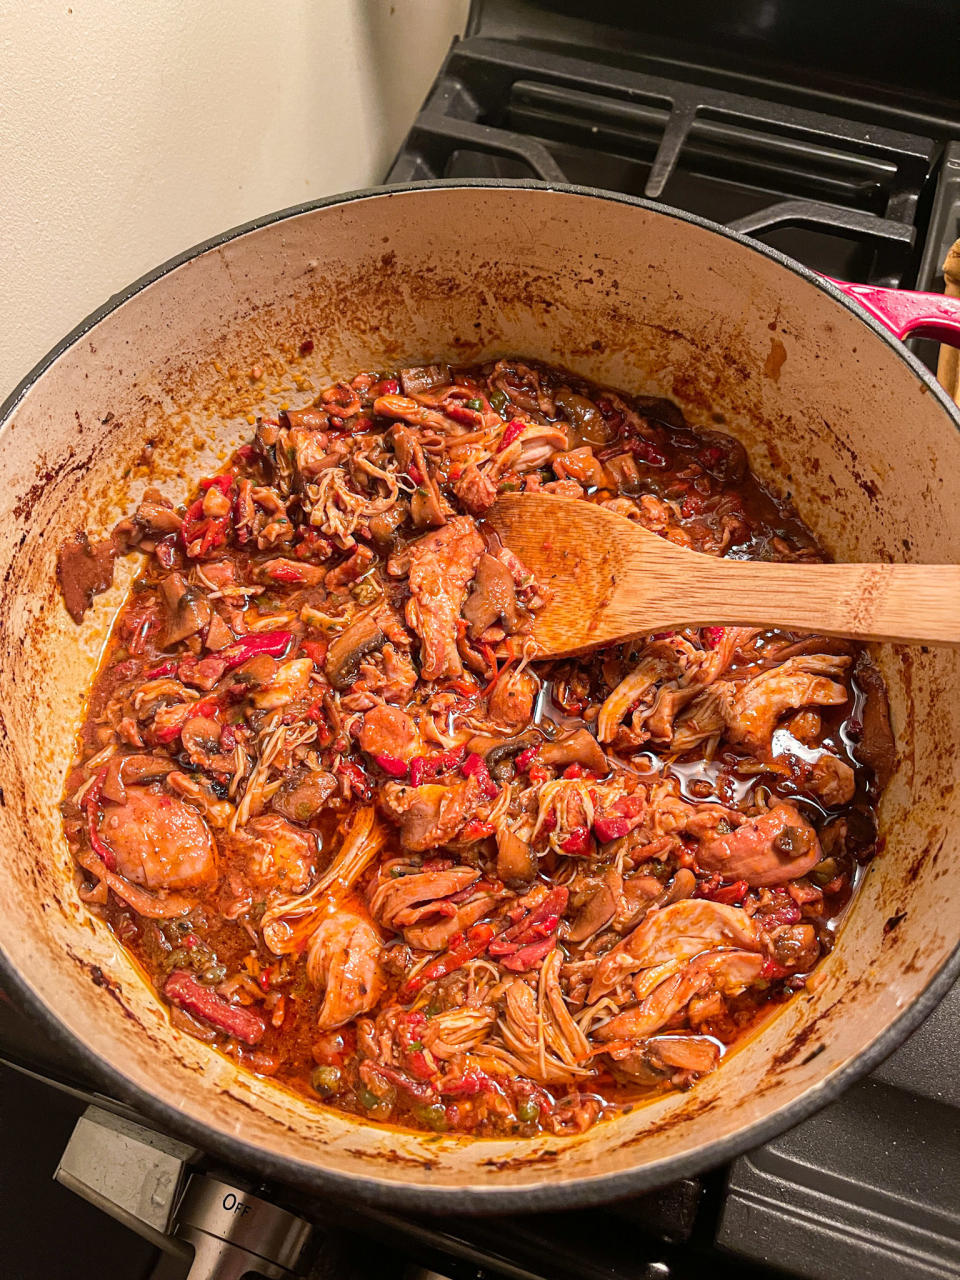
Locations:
{"points": [[159, 382]]}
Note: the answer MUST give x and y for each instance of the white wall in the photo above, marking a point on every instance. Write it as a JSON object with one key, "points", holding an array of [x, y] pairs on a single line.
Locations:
{"points": [[131, 129]]}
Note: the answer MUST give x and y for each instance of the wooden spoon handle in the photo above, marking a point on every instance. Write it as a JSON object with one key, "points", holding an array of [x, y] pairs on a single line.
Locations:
{"points": [[909, 602]]}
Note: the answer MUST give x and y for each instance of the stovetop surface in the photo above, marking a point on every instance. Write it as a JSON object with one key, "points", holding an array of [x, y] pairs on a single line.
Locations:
{"points": [[746, 115]]}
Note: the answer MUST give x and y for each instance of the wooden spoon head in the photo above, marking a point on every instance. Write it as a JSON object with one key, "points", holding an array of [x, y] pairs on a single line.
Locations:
{"points": [[579, 554]]}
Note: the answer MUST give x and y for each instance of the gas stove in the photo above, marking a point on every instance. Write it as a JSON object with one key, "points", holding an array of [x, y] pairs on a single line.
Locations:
{"points": [[748, 115]]}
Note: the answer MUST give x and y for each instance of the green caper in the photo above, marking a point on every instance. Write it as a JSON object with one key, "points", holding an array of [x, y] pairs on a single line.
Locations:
{"points": [[433, 1116], [528, 1111], [326, 1081]]}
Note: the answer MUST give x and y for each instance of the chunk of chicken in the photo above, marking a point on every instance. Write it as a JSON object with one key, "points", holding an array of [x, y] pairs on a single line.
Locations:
{"points": [[751, 710], [429, 815], [280, 855], [674, 933], [778, 846], [159, 842], [344, 959], [389, 731], [726, 972], [511, 699], [441, 565], [475, 490], [409, 899]]}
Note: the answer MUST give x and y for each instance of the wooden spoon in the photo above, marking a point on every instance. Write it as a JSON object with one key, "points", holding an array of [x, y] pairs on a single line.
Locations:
{"points": [[609, 579]]}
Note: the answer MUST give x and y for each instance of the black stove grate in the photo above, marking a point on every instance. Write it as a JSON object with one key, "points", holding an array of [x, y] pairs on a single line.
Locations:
{"points": [[843, 196]]}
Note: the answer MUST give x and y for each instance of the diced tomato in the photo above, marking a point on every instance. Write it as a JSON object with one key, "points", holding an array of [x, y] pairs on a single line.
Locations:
{"points": [[316, 651], [577, 843], [526, 757], [91, 807], [712, 636], [477, 829], [576, 771], [611, 828]]}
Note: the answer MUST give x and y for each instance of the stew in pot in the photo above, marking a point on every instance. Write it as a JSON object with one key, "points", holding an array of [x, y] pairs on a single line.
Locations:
{"points": [[362, 840]]}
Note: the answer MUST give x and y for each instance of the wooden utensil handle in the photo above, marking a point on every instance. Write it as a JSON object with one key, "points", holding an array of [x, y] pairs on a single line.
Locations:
{"points": [[911, 602]]}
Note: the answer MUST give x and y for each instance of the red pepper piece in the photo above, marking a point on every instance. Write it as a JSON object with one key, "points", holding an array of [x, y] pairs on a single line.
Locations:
{"points": [[164, 669], [730, 895], [514, 428], [385, 387], [428, 768], [415, 474], [245, 454], [713, 635], [463, 947], [539, 923], [466, 417], [91, 807], [182, 989], [526, 957], [526, 757], [223, 483], [393, 766], [476, 767], [771, 970], [272, 643], [358, 780], [417, 1089]]}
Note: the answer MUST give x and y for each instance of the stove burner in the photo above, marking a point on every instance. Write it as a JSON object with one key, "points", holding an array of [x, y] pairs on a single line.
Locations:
{"points": [[840, 196]]}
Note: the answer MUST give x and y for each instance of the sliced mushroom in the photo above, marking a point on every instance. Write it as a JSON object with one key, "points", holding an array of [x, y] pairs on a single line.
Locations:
{"points": [[426, 505], [304, 795], [579, 747], [188, 612], [596, 905], [345, 654], [876, 748], [492, 598], [516, 861], [385, 524], [424, 378], [124, 771]]}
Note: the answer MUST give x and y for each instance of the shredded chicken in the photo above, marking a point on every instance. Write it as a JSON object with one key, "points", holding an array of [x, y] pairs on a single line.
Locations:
{"points": [[340, 810]]}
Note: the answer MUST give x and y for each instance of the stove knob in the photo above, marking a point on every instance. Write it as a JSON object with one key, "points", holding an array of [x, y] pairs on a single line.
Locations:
{"points": [[234, 1233]]}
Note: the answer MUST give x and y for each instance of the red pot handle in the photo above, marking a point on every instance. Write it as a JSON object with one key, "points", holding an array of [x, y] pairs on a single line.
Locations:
{"points": [[903, 312]]}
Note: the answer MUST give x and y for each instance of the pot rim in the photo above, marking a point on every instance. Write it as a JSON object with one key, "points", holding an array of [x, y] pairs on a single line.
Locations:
{"points": [[387, 1192]]}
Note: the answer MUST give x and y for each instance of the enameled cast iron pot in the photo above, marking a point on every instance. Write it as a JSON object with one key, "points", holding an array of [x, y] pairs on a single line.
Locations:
{"points": [[622, 292]]}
